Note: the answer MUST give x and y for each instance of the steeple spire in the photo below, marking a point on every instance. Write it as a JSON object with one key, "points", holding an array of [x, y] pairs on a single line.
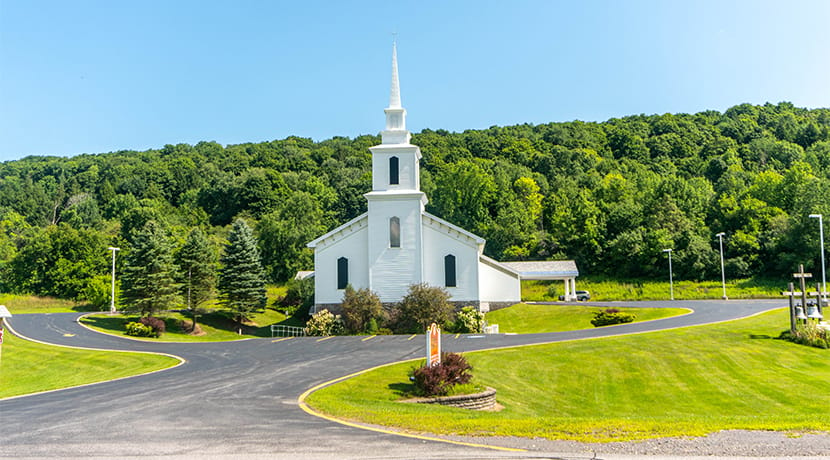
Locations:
{"points": [[395, 132], [395, 92]]}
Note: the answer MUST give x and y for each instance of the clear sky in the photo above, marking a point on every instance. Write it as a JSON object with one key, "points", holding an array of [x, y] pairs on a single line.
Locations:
{"points": [[80, 76]]}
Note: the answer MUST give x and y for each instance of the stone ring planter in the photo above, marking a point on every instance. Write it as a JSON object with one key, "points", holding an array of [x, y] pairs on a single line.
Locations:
{"points": [[486, 400]]}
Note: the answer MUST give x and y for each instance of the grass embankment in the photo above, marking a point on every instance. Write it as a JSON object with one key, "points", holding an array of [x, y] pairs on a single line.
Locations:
{"points": [[215, 326], [30, 367], [22, 304], [685, 382], [608, 289], [530, 319]]}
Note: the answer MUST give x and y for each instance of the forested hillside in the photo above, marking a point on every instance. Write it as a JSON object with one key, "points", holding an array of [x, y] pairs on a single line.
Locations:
{"points": [[611, 195]]}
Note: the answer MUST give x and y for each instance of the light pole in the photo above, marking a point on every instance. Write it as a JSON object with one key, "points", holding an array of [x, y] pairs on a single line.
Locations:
{"points": [[821, 236], [112, 298], [671, 282], [722, 272]]}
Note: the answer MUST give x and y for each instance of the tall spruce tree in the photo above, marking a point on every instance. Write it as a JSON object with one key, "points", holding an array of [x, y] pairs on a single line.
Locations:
{"points": [[197, 271], [148, 285], [242, 279]]}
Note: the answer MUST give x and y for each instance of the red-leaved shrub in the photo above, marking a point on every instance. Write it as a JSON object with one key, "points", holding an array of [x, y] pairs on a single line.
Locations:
{"points": [[156, 323], [437, 380]]}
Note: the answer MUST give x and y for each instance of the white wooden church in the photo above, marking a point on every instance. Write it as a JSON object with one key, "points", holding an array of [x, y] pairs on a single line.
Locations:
{"points": [[396, 243]]}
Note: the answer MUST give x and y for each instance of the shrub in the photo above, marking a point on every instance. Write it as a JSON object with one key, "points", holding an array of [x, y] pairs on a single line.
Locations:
{"points": [[469, 321], [98, 292], [299, 297], [137, 329], [422, 306], [156, 324], [808, 334], [324, 323], [438, 380], [611, 316], [361, 310]]}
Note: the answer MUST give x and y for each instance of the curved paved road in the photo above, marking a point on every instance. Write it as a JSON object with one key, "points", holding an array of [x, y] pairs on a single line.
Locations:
{"points": [[239, 399]]}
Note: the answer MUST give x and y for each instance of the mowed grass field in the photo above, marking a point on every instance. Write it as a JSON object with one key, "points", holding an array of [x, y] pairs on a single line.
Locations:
{"points": [[607, 289], [684, 382], [30, 367], [531, 319]]}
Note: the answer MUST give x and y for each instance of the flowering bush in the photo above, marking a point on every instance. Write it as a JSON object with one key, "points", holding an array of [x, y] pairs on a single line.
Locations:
{"points": [[324, 323], [611, 316], [808, 334], [438, 380], [469, 320]]}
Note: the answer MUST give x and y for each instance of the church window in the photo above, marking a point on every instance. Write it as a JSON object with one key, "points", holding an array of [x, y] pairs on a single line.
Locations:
{"points": [[395, 232], [342, 273], [393, 171], [449, 270]]}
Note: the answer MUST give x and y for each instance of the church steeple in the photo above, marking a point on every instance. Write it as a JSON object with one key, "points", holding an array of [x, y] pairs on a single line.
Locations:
{"points": [[395, 132], [395, 91]]}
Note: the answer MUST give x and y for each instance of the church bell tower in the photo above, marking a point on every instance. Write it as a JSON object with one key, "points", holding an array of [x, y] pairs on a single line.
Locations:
{"points": [[396, 204]]}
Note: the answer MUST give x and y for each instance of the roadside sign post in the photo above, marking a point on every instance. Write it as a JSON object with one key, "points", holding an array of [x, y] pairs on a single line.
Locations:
{"points": [[4, 313], [433, 345]]}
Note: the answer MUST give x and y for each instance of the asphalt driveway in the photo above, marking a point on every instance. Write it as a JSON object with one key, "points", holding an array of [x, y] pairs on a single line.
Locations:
{"points": [[239, 399]]}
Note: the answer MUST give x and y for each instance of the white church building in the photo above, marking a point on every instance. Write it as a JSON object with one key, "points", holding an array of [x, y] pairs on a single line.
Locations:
{"points": [[397, 244]]}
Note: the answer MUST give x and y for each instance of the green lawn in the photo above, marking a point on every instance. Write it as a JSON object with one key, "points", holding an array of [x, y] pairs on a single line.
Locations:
{"points": [[216, 326], [20, 304], [608, 289], [29, 367], [530, 319], [685, 382]]}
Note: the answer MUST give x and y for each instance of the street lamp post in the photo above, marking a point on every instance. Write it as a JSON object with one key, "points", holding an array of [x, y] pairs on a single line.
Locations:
{"points": [[112, 297], [722, 272], [821, 237], [671, 282]]}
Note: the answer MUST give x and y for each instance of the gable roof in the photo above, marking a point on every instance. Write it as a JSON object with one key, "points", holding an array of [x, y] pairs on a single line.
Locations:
{"points": [[349, 227], [438, 223], [545, 269]]}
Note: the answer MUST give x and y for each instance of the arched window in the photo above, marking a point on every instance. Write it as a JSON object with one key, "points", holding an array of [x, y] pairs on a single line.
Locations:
{"points": [[449, 270], [393, 171], [395, 232], [342, 273]]}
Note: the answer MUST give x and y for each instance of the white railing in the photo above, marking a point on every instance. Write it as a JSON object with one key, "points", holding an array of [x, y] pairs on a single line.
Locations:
{"points": [[279, 330]]}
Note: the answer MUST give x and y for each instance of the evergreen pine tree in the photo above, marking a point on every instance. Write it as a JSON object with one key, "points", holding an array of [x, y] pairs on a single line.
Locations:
{"points": [[148, 285], [197, 271], [242, 279]]}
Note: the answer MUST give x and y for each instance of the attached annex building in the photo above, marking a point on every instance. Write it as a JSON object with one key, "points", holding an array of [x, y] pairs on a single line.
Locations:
{"points": [[397, 244]]}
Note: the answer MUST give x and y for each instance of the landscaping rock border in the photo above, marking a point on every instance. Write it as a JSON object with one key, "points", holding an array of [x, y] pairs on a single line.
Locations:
{"points": [[486, 400]]}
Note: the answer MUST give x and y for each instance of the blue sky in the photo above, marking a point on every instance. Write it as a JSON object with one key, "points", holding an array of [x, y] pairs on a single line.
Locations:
{"points": [[98, 76]]}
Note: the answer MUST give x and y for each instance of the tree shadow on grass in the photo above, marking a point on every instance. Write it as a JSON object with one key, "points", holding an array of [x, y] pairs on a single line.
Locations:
{"points": [[402, 389], [760, 336], [114, 324]]}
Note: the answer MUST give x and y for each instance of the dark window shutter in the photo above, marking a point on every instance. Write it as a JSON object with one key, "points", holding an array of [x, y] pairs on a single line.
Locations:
{"points": [[393, 171], [449, 270], [342, 273]]}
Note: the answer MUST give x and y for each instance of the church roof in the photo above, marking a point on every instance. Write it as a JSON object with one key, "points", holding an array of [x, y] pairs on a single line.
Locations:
{"points": [[438, 222], [349, 227], [545, 269]]}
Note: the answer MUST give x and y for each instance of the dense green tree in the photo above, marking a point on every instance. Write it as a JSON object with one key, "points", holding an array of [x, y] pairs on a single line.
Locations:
{"points": [[197, 260], [148, 281], [285, 232], [241, 279]]}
